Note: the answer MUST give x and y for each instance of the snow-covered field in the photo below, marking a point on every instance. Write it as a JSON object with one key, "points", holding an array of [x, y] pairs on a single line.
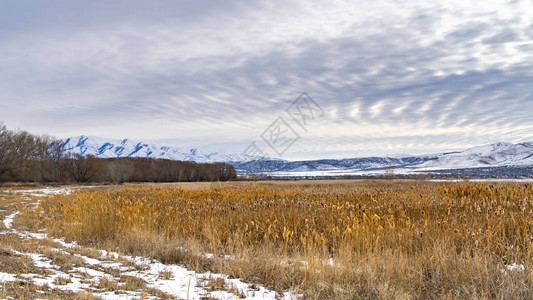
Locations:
{"points": [[399, 171], [103, 267]]}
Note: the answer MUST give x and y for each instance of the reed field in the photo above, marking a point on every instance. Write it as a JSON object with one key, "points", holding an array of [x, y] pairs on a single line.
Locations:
{"points": [[321, 240]]}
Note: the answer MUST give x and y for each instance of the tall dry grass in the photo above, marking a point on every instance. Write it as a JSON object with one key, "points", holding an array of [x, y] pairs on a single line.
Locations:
{"points": [[401, 240]]}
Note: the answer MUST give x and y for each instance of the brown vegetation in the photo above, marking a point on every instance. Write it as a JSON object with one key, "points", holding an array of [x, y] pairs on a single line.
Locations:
{"points": [[389, 240], [26, 260]]}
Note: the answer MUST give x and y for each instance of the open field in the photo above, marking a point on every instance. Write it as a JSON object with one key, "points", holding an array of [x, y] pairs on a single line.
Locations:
{"points": [[311, 239], [35, 265]]}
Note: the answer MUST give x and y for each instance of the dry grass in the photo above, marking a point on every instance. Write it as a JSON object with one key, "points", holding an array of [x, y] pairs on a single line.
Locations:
{"points": [[28, 290], [87, 252], [165, 275], [132, 283], [106, 284], [15, 242], [65, 261], [20, 185], [15, 264], [29, 219], [371, 239], [213, 284], [61, 280], [23, 267]]}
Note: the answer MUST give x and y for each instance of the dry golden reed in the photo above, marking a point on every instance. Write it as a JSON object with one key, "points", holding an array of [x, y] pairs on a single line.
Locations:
{"points": [[346, 240]]}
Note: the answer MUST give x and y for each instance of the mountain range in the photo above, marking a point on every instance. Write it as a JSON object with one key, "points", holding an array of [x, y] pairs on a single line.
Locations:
{"points": [[497, 155], [110, 148]]}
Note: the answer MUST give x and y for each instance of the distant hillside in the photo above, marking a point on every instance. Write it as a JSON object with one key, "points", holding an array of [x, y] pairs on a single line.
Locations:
{"points": [[495, 155], [109, 148]]}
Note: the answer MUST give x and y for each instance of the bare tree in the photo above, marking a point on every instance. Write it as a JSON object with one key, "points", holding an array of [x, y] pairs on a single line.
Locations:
{"points": [[85, 167], [120, 170], [7, 158], [389, 173], [21, 153]]}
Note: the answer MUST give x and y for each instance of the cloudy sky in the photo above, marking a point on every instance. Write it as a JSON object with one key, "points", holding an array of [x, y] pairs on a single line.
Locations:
{"points": [[390, 76]]}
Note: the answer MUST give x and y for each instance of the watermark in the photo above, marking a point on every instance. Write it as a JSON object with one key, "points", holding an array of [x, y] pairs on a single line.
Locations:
{"points": [[253, 150], [304, 110], [284, 132], [279, 136]]}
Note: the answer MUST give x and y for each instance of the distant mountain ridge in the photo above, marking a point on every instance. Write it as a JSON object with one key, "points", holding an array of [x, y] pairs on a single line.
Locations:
{"points": [[111, 148], [493, 155]]}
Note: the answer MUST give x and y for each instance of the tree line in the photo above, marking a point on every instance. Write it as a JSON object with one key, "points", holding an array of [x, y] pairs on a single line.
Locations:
{"points": [[25, 157]]}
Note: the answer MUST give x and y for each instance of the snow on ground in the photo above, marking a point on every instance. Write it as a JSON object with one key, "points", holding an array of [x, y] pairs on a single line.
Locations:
{"points": [[6, 277], [186, 284], [357, 172], [397, 171], [45, 191], [8, 221], [515, 267], [178, 281], [486, 180]]}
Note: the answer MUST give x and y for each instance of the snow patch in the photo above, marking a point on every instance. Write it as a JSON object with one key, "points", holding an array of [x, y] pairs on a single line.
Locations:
{"points": [[8, 221], [515, 267], [6, 277]]}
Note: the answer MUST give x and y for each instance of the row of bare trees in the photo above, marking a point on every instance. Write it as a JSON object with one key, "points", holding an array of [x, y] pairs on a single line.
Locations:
{"points": [[154, 170], [25, 157]]}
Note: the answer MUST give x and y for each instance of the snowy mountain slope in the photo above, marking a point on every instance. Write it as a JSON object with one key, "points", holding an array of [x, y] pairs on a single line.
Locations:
{"points": [[493, 155], [109, 148], [363, 163]]}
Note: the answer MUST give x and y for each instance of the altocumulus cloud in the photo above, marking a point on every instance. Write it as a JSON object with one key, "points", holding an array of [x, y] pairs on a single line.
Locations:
{"points": [[391, 76]]}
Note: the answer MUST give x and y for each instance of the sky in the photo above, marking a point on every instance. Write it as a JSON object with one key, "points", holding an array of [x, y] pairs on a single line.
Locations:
{"points": [[381, 77]]}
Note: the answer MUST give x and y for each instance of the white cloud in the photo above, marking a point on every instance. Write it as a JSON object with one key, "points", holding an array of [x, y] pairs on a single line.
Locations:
{"points": [[219, 73]]}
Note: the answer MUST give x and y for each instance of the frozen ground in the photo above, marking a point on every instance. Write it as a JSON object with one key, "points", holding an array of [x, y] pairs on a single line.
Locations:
{"points": [[110, 275], [397, 171]]}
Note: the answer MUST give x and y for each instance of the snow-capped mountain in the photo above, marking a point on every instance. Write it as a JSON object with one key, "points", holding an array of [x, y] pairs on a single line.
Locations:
{"points": [[109, 148], [335, 165], [493, 155]]}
